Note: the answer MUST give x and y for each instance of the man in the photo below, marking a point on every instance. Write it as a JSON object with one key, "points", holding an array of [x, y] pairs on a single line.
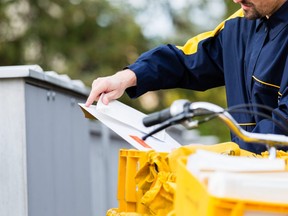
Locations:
{"points": [[247, 53]]}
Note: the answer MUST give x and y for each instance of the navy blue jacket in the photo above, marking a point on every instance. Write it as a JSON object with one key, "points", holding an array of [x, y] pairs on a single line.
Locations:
{"points": [[249, 57]]}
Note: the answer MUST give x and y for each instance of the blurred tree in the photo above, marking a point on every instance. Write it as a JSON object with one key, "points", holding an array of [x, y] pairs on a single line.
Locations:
{"points": [[90, 38], [81, 38], [231, 7]]}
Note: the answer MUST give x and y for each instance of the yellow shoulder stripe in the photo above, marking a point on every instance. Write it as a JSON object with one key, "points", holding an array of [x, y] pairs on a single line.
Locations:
{"points": [[191, 45]]}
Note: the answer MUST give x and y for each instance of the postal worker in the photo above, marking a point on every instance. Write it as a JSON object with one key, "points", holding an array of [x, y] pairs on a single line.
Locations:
{"points": [[247, 53]]}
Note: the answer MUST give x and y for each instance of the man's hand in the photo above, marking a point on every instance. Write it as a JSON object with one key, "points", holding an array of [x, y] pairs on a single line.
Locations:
{"points": [[113, 86]]}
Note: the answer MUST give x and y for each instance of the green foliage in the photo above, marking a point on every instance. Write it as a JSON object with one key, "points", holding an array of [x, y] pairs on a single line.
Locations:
{"points": [[231, 7], [81, 38], [90, 38]]}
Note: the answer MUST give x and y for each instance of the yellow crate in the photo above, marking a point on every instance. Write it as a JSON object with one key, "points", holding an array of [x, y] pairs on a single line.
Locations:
{"points": [[154, 172], [192, 198], [128, 193]]}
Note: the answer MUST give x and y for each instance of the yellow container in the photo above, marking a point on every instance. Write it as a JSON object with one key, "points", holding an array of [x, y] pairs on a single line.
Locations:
{"points": [[128, 193], [137, 173], [146, 180], [192, 198]]}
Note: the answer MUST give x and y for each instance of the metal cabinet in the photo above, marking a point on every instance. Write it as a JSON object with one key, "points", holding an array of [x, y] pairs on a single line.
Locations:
{"points": [[58, 160], [53, 161]]}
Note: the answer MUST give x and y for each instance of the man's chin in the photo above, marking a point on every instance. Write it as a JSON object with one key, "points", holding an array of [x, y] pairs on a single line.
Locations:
{"points": [[251, 16]]}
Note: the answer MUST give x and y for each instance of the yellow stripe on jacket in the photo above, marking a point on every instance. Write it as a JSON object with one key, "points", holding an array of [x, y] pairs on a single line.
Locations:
{"points": [[192, 45]]}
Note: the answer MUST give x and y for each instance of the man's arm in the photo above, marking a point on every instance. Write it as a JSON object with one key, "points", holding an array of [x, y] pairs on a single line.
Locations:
{"points": [[197, 65]]}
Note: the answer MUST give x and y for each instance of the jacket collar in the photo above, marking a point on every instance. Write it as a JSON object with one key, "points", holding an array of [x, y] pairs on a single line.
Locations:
{"points": [[276, 23]]}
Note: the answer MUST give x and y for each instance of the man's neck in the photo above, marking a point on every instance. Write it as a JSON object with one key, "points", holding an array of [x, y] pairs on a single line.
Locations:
{"points": [[277, 8]]}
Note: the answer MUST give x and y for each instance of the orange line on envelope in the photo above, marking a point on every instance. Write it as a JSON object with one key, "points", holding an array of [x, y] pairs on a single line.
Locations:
{"points": [[140, 141]]}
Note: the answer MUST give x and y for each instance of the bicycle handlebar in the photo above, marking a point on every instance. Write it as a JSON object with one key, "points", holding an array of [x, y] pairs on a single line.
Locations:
{"points": [[166, 114], [199, 108], [269, 139]]}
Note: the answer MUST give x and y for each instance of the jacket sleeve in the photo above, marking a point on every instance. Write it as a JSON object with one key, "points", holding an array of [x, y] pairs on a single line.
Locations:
{"points": [[198, 65]]}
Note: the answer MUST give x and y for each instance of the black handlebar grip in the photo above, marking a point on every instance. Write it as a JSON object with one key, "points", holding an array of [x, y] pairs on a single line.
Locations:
{"points": [[157, 117]]}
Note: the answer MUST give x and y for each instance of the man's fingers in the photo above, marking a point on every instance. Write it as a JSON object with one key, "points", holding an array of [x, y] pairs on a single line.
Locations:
{"points": [[99, 86], [89, 101], [115, 94], [94, 96], [105, 100], [113, 86]]}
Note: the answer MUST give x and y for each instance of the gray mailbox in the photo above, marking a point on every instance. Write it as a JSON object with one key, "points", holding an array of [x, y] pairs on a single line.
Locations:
{"points": [[53, 161]]}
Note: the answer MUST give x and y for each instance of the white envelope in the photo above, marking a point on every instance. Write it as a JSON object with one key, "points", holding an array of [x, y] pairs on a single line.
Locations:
{"points": [[127, 123]]}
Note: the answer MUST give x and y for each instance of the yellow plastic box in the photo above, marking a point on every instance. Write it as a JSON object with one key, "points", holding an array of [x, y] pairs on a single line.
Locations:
{"points": [[192, 198], [128, 193]]}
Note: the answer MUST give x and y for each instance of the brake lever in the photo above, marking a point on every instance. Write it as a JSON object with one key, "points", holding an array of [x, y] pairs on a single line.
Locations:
{"points": [[172, 121]]}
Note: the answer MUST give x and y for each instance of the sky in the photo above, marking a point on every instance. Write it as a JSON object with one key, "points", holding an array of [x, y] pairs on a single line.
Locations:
{"points": [[156, 23]]}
